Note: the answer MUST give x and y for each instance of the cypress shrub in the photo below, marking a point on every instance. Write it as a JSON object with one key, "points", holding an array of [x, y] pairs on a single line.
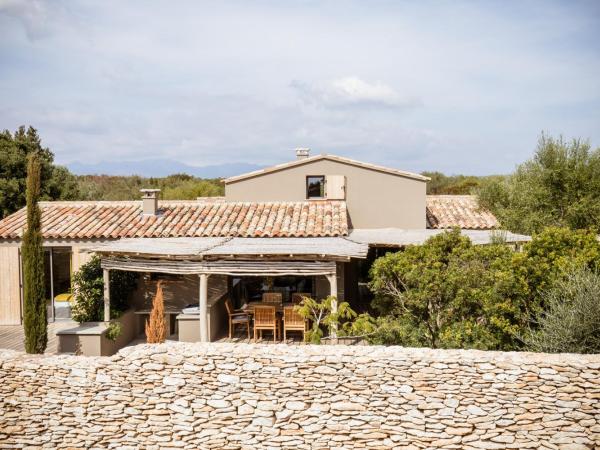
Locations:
{"points": [[156, 331], [34, 302]]}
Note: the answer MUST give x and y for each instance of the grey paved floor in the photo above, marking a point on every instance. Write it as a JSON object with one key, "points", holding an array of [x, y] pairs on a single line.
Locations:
{"points": [[12, 337]]}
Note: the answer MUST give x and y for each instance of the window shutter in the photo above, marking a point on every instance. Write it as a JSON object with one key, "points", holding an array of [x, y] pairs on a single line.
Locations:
{"points": [[335, 187]]}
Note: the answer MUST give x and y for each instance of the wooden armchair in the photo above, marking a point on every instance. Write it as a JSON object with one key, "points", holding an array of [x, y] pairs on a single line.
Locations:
{"points": [[298, 296], [272, 297], [265, 318], [236, 317], [293, 321]]}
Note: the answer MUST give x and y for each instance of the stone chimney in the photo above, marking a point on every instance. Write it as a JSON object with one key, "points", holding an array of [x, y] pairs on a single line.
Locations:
{"points": [[302, 153], [150, 201]]}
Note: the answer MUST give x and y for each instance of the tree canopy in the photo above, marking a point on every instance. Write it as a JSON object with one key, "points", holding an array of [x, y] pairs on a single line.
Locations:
{"points": [[559, 186], [56, 182], [450, 293]]}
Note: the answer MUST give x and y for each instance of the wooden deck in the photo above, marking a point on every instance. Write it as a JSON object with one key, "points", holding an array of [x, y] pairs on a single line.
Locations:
{"points": [[13, 338]]}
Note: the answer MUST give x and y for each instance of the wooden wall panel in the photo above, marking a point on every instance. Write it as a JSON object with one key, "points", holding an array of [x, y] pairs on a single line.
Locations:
{"points": [[10, 286]]}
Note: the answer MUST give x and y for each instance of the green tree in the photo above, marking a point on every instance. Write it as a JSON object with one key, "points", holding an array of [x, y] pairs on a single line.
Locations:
{"points": [[88, 287], [559, 186], [571, 319], [34, 303], [56, 182], [450, 293]]}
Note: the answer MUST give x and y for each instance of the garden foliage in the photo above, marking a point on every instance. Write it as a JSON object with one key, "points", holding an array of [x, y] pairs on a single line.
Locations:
{"points": [[559, 186], [450, 293], [570, 321], [88, 289]]}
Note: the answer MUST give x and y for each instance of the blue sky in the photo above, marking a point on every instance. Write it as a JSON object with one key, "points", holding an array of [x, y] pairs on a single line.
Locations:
{"points": [[461, 87]]}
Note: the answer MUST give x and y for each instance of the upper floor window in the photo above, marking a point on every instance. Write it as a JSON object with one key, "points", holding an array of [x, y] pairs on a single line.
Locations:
{"points": [[315, 186]]}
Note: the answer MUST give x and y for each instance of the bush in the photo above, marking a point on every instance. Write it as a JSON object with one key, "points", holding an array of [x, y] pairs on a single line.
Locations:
{"points": [[571, 320], [113, 331], [88, 287], [449, 293]]}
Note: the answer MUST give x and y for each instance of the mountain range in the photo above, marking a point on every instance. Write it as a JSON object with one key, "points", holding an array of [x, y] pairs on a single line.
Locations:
{"points": [[160, 168]]}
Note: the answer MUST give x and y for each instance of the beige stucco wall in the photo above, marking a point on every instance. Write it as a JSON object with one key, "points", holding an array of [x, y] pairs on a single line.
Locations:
{"points": [[375, 199], [79, 257], [10, 285]]}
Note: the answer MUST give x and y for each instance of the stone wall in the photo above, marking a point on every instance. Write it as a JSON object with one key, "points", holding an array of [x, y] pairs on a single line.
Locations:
{"points": [[228, 396]]}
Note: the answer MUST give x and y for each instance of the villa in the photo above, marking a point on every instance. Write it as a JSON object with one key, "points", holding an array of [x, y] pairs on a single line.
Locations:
{"points": [[310, 227]]}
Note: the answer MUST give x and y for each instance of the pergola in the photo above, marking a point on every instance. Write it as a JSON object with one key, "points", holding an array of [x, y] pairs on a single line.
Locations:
{"points": [[205, 256]]}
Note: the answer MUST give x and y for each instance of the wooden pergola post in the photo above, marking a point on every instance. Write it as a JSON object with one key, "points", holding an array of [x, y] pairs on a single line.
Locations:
{"points": [[106, 276], [333, 292], [203, 307]]}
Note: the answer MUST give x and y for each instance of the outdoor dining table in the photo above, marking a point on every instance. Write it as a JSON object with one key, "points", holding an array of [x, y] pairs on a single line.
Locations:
{"points": [[249, 307]]}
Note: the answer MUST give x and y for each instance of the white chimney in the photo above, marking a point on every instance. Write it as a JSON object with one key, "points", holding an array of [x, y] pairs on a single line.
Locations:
{"points": [[302, 153], [150, 201]]}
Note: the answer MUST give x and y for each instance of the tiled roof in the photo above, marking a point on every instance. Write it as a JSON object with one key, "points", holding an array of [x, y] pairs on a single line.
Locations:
{"points": [[447, 211], [111, 220]]}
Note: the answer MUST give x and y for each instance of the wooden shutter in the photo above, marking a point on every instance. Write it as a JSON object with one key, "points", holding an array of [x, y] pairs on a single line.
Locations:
{"points": [[336, 187]]}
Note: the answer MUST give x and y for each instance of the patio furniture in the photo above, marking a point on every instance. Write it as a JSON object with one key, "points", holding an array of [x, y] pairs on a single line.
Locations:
{"points": [[298, 296], [272, 297], [293, 321], [237, 317], [265, 318]]}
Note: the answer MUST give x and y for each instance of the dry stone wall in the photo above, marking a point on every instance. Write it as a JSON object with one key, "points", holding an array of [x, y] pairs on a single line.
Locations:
{"points": [[228, 396]]}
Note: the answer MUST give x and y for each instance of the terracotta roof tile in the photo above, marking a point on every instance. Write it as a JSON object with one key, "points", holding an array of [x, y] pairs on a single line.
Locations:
{"points": [[111, 220], [447, 211]]}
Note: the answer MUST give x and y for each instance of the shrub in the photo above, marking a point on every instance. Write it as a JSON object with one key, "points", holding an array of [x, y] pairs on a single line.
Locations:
{"points": [[385, 330], [88, 289], [113, 331], [571, 320], [156, 330]]}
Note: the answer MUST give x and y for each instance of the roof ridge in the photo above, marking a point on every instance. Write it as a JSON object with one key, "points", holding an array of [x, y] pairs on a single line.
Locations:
{"points": [[342, 159]]}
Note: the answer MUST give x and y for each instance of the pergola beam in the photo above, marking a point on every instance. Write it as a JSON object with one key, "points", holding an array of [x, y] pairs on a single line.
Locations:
{"points": [[333, 291], [106, 277], [203, 307]]}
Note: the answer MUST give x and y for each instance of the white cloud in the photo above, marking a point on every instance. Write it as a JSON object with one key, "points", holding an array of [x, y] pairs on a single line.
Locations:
{"points": [[466, 88], [353, 91]]}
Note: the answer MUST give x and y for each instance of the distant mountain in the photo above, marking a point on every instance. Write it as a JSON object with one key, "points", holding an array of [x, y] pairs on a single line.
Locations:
{"points": [[160, 168]]}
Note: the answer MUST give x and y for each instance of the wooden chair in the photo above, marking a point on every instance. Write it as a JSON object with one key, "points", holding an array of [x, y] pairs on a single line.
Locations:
{"points": [[293, 321], [272, 297], [298, 296], [236, 317], [265, 318]]}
